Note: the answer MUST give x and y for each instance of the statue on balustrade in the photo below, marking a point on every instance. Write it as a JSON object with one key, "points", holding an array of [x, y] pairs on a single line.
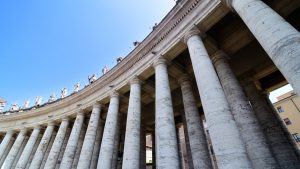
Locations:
{"points": [[119, 59], [14, 107], [92, 79], [76, 87], [38, 101], [63, 93], [26, 104], [52, 98], [105, 70]]}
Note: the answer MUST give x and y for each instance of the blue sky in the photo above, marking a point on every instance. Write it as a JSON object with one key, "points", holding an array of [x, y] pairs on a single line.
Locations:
{"points": [[47, 45]]}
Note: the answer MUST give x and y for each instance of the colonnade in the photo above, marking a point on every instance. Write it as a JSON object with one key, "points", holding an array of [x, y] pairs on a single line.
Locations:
{"points": [[242, 135]]}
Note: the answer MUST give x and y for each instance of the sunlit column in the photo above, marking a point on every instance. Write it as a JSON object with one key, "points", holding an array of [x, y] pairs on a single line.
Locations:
{"points": [[5, 142]]}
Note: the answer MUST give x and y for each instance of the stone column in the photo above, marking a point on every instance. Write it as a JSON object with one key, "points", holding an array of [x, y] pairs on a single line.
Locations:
{"points": [[197, 139], [229, 147], [67, 159], [276, 138], [79, 145], [63, 148], [97, 145], [250, 129], [14, 150], [5, 153], [53, 136], [56, 147], [166, 141], [278, 38], [117, 140], [89, 139], [39, 154], [5, 142], [181, 157], [107, 146], [20, 151], [187, 143], [36, 145], [131, 158], [28, 148]]}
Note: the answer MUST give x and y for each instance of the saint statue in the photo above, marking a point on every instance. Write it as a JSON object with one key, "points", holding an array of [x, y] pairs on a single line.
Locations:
{"points": [[14, 107], [76, 87], [105, 69], [63, 93], [119, 59], [38, 101], [26, 104], [52, 98]]}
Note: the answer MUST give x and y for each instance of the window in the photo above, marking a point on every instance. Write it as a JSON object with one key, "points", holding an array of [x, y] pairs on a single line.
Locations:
{"points": [[287, 121], [280, 109], [296, 137]]}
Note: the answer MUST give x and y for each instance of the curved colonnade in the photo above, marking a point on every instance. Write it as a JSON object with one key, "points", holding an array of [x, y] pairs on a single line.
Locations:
{"points": [[104, 125]]}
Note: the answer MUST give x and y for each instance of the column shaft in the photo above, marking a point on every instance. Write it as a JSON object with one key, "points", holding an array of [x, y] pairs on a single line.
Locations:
{"points": [[107, 145], [279, 143], [197, 139], [69, 153], [187, 143], [278, 38], [36, 145], [143, 147], [53, 136], [40, 152], [5, 153], [5, 142], [229, 148], [166, 141], [131, 158], [250, 129], [79, 146], [117, 141], [97, 145], [56, 147], [89, 139], [181, 157], [14, 150], [63, 148], [20, 151]]}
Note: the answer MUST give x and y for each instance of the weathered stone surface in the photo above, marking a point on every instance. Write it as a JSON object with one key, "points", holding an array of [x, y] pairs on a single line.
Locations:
{"points": [[5, 142]]}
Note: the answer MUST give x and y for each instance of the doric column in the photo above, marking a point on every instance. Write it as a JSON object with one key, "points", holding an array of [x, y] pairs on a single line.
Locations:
{"points": [[250, 129], [229, 148], [63, 148], [89, 139], [197, 139], [36, 145], [166, 142], [14, 150], [5, 142], [79, 145], [180, 151], [39, 154], [278, 38], [97, 145], [28, 148], [276, 138], [8, 147], [131, 158], [187, 143], [107, 145], [66, 162], [48, 149], [56, 147], [117, 141], [20, 152]]}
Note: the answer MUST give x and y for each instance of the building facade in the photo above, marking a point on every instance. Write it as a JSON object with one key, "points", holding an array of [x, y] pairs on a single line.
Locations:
{"points": [[206, 60], [288, 108]]}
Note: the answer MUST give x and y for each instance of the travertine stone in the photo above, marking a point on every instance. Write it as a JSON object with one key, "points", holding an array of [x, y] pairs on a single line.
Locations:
{"points": [[5, 153], [131, 158], [143, 147], [67, 159], [89, 139], [5, 142], [20, 151], [107, 145], [197, 139], [117, 141], [79, 146], [35, 146], [97, 145], [14, 150], [229, 148], [250, 129], [53, 136], [166, 141], [187, 143], [56, 147], [63, 148], [276, 138], [278, 38], [40, 152], [181, 157]]}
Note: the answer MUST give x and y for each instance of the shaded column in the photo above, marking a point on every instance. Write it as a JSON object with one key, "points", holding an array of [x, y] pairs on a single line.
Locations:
{"points": [[5, 142], [20, 151], [131, 158], [63, 148], [5, 153], [21, 164], [53, 136], [56, 147], [181, 157], [120, 153], [89, 139], [110, 130], [278, 38], [187, 143], [40, 152], [69, 153], [15, 149], [121, 119], [143, 147], [36, 145], [97, 145], [229, 148], [250, 129], [195, 132], [166, 141], [79, 145], [277, 140]]}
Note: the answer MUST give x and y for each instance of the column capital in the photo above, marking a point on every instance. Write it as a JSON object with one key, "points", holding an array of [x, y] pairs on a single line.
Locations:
{"points": [[227, 3], [219, 55], [114, 93], [36, 127], [66, 118], [10, 132], [192, 32], [97, 105], [51, 123], [183, 78], [80, 112], [23, 130], [159, 61], [135, 80]]}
